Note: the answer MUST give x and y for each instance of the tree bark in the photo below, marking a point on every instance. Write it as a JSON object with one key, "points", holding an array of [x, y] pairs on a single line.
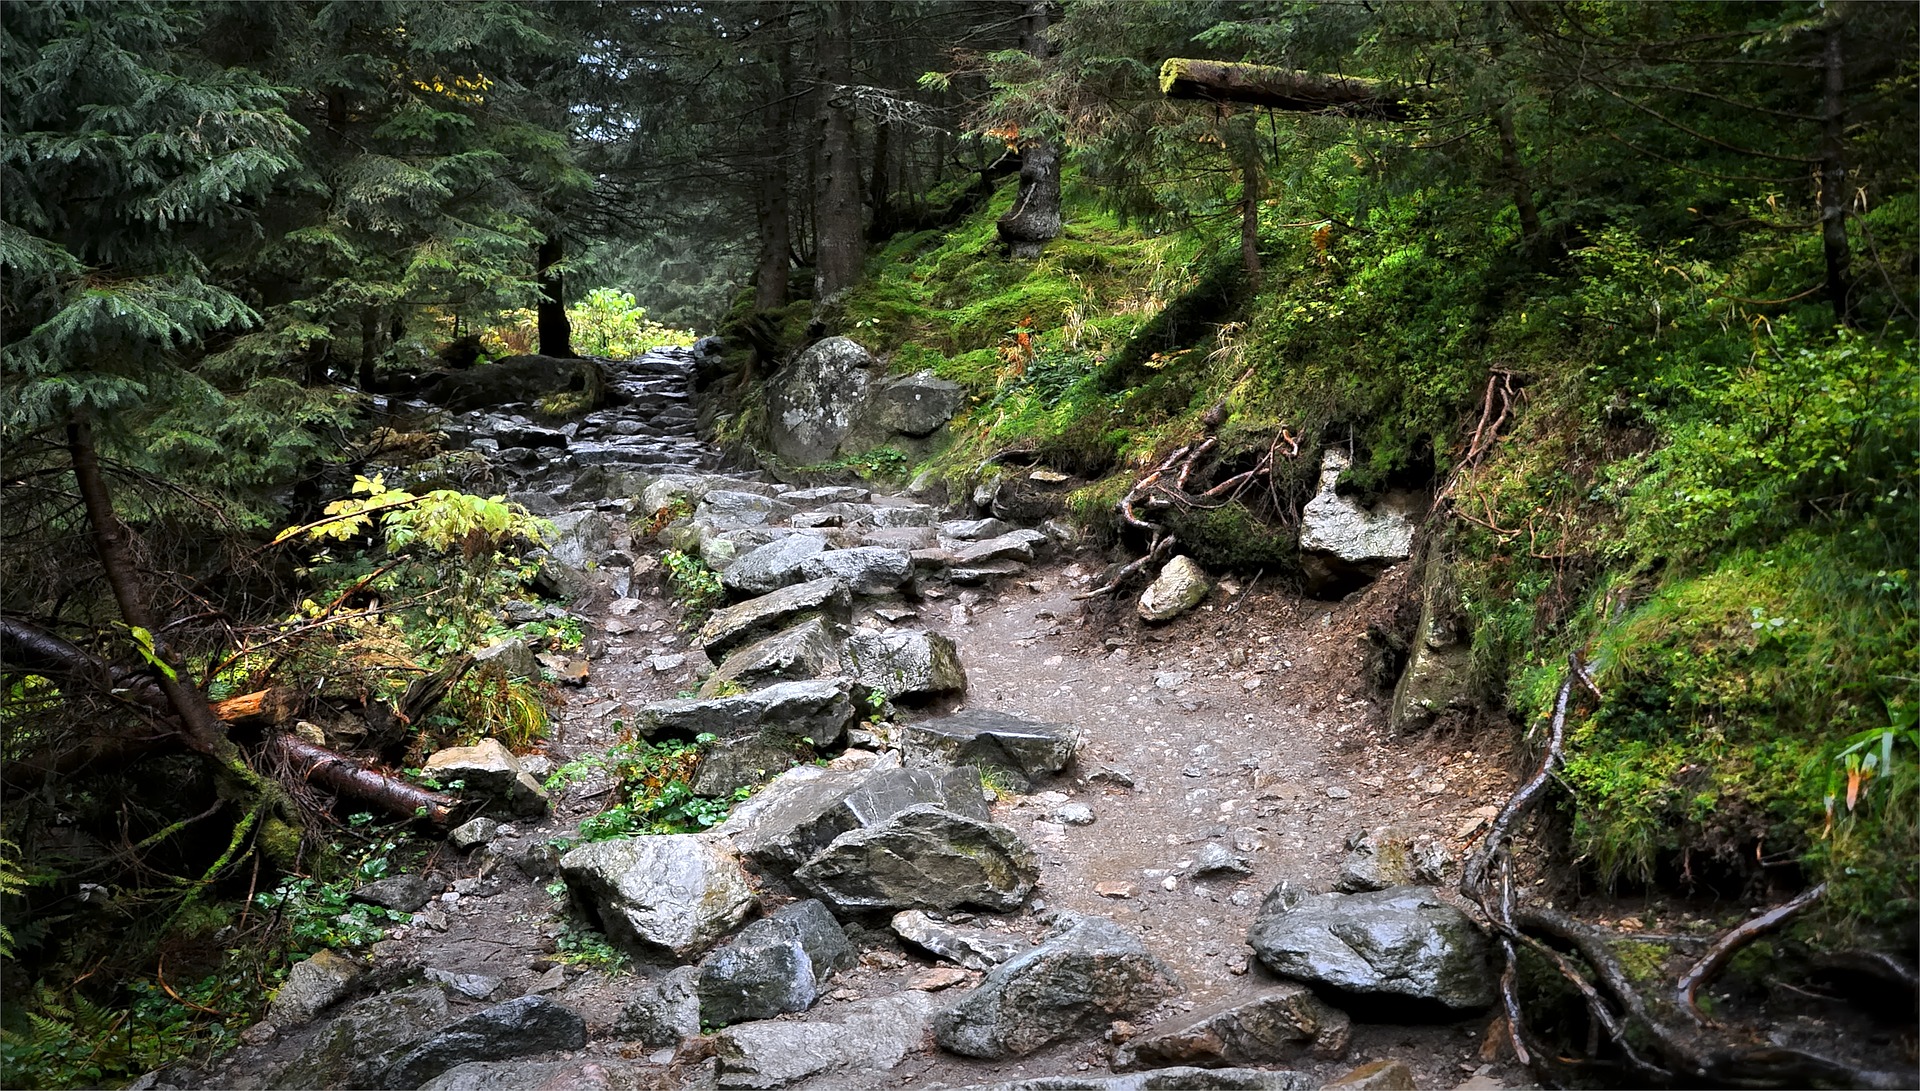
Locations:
{"points": [[1251, 179], [1517, 181], [556, 333], [1034, 219], [234, 779], [772, 274], [838, 240], [1833, 178], [1285, 89]]}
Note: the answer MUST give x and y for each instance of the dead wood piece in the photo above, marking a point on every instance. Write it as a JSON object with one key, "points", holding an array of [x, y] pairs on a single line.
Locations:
{"points": [[344, 776], [1285, 89], [1716, 958], [267, 707]]}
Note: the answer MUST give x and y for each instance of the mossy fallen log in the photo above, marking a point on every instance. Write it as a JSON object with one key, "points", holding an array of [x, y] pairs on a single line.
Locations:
{"points": [[1287, 89]]}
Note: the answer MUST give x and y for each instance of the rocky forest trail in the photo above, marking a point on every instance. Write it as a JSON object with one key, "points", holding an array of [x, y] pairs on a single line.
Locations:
{"points": [[1216, 759]]}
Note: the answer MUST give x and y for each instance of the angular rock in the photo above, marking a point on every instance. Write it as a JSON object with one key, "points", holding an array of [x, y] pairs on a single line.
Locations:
{"points": [[901, 515], [670, 489], [311, 986], [489, 771], [900, 539], [772, 566], [406, 893], [727, 508], [664, 1011], [580, 544], [1179, 588], [742, 622], [1277, 1025], [804, 809], [974, 948], [531, 1024], [775, 965], [368, 1036], [722, 546], [1213, 859], [512, 656], [922, 858], [679, 892], [866, 570], [813, 401], [1388, 1075], [472, 834], [974, 530], [810, 649], [915, 405], [905, 665], [1087, 972], [1164, 1079], [1438, 664], [728, 765], [1403, 943], [471, 986], [579, 1074], [1342, 544], [1014, 744], [817, 711], [1017, 545], [827, 494], [1387, 857], [854, 1040]]}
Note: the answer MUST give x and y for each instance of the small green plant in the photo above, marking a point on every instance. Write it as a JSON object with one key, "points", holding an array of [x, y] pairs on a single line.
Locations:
{"points": [[996, 782], [487, 704], [580, 946], [656, 793], [696, 586]]}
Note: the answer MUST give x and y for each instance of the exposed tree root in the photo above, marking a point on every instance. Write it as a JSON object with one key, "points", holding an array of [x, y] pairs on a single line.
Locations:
{"points": [[1659, 1040]]}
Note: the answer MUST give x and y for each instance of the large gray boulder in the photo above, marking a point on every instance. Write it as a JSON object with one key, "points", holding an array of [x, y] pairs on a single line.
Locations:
{"points": [[1087, 972], [512, 657], [915, 405], [489, 772], [1277, 1025], [817, 711], [1403, 943], [814, 401], [663, 1011], [804, 809], [742, 622], [1343, 544], [775, 965], [517, 1028], [866, 570], [678, 892], [922, 858], [974, 948], [850, 1041], [360, 1042], [1015, 545], [810, 649], [1014, 744], [906, 666], [772, 566]]}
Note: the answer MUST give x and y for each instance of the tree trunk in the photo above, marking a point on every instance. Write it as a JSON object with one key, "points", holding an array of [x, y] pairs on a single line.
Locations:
{"points": [[235, 780], [1285, 89], [838, 240], [1517, 181], [772, 274], [1251, 180], [1833, 179], [369, 347], [556, 333], [1034, 219], [879, 187]]}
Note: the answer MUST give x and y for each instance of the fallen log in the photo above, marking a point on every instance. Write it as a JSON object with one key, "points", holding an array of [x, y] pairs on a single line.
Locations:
{"points": [[24, 646], [1287, 89]]}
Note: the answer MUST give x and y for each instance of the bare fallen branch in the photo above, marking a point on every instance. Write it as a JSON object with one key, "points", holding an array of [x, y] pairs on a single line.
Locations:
{"points": [[1715, 959]]}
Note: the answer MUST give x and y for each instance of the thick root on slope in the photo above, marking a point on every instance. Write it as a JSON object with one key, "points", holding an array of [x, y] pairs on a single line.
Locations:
{"points": [[1657, 1038]]}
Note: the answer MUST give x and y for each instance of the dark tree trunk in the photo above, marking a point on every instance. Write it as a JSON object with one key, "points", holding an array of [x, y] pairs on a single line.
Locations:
{"points": [[368, 376], [772, 274], [1251, 179], [879, 186], [1833, 179], [1518, 182], [1284, 89], [838, 240], [1034, 219], [556, 333]]}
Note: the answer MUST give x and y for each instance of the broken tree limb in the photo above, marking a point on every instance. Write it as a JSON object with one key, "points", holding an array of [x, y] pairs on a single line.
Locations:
{"points": [[25, 646], [1286, 89], [344, 776]]}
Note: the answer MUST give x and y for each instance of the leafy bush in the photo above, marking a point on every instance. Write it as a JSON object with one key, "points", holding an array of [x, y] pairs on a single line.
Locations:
{"points": [[612, 324], [696, 586], [655, 791]]}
